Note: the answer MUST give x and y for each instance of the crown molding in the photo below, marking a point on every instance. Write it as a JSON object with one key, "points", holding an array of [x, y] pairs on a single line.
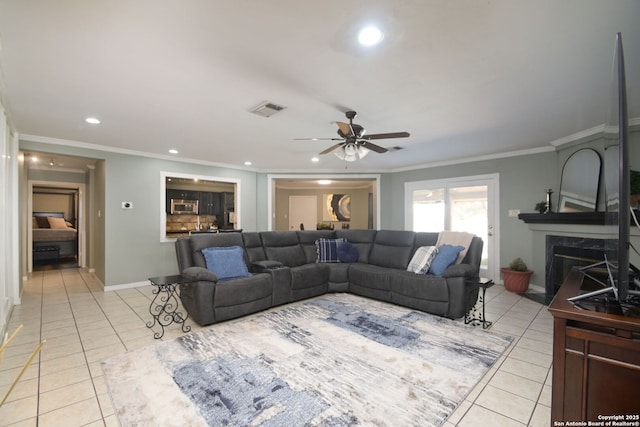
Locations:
{"points": [[108, 149]]}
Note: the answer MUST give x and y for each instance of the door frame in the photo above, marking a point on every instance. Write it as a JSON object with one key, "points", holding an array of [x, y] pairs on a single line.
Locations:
{"points": [[492, 181], [82, 239], [271, 191]]}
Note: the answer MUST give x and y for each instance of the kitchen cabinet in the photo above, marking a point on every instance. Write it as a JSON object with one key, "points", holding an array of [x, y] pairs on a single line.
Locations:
{"points": [[209, 203]]}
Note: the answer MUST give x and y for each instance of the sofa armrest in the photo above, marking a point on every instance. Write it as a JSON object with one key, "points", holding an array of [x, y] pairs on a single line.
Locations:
{"points": [[197, 274], [265, 266], [461, 270]]}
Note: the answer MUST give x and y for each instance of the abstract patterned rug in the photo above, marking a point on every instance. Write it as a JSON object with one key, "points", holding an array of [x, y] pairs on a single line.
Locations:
{"points": [[335, 360]]}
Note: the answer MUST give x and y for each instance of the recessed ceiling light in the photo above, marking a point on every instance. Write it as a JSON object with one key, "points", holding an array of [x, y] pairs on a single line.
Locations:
{"points": [[92, 121], [248, 163], [315, 159], [324, 181], [370, 36], [173, 151]]}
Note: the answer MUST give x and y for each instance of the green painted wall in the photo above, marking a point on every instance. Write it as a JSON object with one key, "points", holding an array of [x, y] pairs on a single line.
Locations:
{"points": [[131, 250]]}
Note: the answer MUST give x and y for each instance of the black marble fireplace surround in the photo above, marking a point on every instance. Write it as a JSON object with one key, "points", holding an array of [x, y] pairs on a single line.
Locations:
{"points": [[562, 253]]}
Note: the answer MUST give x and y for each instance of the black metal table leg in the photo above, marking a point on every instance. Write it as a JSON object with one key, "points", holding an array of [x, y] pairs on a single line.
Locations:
{"points": [[475, 316], [165, 304]]}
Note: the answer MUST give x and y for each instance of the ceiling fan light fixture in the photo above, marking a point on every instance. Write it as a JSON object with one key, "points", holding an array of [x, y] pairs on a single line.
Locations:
{"points": [[370, 35], [351, 152]]}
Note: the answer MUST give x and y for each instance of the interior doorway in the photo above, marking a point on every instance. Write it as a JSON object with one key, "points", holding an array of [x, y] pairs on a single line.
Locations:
{"points": [[361, 190], [63, 243]]}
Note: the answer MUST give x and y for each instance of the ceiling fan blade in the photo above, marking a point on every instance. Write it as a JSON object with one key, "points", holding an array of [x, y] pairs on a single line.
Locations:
{"points": [[387, 135], [317, 139], [345, 128], [373, 147], [330, 149]]}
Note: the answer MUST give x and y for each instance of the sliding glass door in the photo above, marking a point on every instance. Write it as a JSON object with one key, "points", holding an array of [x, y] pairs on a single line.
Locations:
{"points": [[457, 204]]}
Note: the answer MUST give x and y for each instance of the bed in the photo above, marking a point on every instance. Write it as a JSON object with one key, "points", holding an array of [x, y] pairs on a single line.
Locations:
{"points": [[53, 236]]}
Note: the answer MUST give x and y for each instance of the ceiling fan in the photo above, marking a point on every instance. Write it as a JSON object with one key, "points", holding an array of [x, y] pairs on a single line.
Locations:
{"points": [[354, 143]]}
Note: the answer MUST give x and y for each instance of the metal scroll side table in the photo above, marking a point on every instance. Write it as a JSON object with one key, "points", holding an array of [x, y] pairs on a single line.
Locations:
{"points": [[165, 304], [476, 316]]}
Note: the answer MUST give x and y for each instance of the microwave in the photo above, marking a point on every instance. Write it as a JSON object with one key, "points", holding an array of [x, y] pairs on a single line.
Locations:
{"points": [[184, 207]]}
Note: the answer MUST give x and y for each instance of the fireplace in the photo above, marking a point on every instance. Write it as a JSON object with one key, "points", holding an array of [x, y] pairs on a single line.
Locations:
{"points": [[563, 253]]}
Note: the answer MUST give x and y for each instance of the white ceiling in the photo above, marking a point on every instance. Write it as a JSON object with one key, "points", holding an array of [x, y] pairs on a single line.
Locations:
{"points": [[465, 78]]}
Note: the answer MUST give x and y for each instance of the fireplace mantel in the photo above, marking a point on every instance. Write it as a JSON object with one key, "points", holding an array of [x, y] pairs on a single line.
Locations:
{"points": [[584, 218]]}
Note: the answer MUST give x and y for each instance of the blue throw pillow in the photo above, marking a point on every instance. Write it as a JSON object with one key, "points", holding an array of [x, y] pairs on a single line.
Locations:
{"points": [[327, 249], [347, 252], [446, 256], [226, 262]]}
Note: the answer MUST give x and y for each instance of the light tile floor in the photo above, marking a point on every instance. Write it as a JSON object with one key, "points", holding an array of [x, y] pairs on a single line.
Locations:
{"points": [[82, 325]]}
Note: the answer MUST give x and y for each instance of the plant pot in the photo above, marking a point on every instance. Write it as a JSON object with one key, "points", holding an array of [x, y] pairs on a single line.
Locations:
{"points": [[516, 281]]}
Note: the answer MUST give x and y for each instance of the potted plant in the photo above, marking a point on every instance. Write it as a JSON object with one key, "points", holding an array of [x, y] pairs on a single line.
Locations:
{"points": [[541, 207], [516, 276]]}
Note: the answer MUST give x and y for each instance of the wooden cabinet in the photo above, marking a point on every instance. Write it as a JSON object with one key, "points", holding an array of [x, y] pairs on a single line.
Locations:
{"points": [[208, 203], [596, 360]]}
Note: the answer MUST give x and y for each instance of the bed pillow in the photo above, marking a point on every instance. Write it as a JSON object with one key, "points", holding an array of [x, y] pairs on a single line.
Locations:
{"points": [[327, 249], [34, 223], [347, 252], [226, 262], [69, 225], [446, 256], [422, 259], [57, 223], [43, 221]]}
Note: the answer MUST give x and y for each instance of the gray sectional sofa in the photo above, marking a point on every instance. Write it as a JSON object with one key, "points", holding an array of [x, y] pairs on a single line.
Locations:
{"points": [[283, 268]]}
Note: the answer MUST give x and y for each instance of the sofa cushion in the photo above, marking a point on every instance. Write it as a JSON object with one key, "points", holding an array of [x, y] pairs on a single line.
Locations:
{"points": [[283, 246], [309, 276], [422, 259], [307, 239], [347, 252], [253, 247], [392, 249], [425, 287], [361, 239], [446, 256], [208, 240], [426, 238], [327, 250], [226, 262]]}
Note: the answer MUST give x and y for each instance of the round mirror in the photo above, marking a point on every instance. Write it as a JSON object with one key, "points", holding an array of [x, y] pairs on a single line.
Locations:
{"points": [[579, 182]]}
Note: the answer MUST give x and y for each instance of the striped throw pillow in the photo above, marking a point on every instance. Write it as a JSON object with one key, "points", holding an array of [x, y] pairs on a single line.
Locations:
{"points": [[422, 259]]}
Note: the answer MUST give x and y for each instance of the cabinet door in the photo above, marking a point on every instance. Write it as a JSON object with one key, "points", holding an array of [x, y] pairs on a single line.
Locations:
{"points": [[206, 203], [229, 202]]}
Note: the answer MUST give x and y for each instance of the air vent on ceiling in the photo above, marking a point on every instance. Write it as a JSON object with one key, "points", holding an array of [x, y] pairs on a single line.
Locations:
{"points": [[267, 109]]}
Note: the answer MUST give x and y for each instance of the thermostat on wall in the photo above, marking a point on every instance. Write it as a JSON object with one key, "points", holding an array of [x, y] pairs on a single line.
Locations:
{"points": [[127, 205]]}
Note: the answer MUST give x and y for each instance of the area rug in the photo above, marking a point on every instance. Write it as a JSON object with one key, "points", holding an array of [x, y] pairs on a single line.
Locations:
{"points": [[335, 360]]}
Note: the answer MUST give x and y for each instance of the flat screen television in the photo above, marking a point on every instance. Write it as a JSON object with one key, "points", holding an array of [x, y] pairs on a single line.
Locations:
{"points": [[621, 274]]}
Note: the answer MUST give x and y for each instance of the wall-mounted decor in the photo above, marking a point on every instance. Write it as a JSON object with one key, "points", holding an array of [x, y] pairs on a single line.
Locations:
{"points": [[337, 207]]}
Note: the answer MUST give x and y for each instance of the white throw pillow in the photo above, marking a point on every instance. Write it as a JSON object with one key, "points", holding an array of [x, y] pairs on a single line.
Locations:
{"points": [[421, 260]]}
